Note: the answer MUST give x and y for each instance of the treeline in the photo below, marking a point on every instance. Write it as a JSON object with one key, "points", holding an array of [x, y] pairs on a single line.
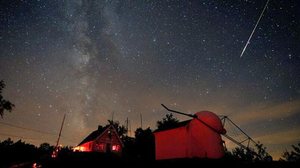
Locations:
{"points": [[139, 148], [21, 152]]}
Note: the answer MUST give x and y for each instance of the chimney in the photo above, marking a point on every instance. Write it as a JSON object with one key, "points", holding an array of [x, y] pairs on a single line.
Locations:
{"points": [[99, 127]]}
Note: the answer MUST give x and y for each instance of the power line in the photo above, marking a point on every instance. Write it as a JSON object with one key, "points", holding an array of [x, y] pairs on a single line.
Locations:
{"points": [[21, 137], [29, 129], [33, 130], [34, 139]]}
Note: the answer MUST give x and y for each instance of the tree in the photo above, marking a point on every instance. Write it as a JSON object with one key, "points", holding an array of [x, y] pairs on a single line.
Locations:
{"points": [[249, 154], [129, 151], [46, 149], [294, 155], [167, 122], [240, 153], [262, 154], [121, 129], [16, 152], [4, 104], [144, 143]]}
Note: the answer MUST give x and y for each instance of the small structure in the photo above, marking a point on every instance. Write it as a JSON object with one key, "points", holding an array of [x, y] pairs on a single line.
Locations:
{"points": [[104, 139], [196, 138]]}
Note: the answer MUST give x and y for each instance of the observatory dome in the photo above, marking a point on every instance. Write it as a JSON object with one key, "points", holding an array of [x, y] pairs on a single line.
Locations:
{"points": [[212, 120]]}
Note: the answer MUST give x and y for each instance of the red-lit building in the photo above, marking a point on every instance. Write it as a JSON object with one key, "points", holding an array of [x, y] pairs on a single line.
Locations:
{"points": [[191, 139], [104, 139]]}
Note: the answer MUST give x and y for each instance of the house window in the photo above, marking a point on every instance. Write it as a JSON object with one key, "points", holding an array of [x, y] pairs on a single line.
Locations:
{"points": [[100, 147], [115, 148]]}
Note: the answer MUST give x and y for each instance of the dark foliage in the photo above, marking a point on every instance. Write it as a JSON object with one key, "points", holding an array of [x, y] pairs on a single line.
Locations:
{"points": [[129, 150], [262, 154], [21, 154], [137, 152], [145, 144], [45, 149], [4, 104], [167, 122], [293, 155], [243, 154], [16, 152], [24, 154], [121, 129]]}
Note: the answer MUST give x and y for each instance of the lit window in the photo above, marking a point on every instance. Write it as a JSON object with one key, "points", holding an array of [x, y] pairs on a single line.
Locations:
{"points": [[115, 148]]}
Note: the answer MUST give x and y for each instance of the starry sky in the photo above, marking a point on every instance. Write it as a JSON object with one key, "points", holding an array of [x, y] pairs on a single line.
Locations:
{"points": [[97, 60]]}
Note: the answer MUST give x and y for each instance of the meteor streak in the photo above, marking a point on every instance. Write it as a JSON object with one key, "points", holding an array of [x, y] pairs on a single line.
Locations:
{"points": [[254, 29]]}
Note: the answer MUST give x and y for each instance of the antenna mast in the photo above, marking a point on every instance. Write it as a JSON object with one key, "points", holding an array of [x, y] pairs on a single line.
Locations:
{"points": [[127, 126], [141, 117]]}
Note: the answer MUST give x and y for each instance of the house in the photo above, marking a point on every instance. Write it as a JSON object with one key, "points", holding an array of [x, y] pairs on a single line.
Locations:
{"points": [[196, 138], [104, 139]]}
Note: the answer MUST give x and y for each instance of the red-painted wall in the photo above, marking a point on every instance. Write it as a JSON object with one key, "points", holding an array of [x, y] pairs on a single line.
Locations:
{"points": [[107, 142], [171, 143], [192, 140]]}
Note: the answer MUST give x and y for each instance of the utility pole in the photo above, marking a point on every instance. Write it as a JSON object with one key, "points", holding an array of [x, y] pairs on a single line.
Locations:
{"points": [[54, 154]]}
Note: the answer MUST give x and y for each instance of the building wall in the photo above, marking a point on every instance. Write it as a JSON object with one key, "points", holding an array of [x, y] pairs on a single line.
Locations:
{"points": [[195, 140], [204, 142], [108, 142], [86, 147], [171, 143]]}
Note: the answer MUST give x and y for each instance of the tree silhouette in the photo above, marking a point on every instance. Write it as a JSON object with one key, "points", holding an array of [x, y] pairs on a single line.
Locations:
{"points": [[22, 154], [167, 122], [16, 152], [144, 143], [262, 154], [4, 104], [249, 154], [46, 149], [240, 153], [294, 155], [121, 129]]}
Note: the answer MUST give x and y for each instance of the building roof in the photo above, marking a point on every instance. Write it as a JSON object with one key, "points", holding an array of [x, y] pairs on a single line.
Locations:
{"points": [[180, 124], [210, 119], [92, 136]]}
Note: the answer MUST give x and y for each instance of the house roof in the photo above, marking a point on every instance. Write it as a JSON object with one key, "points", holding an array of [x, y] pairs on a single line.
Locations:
{"points": [[92, 136], [180, 124]]}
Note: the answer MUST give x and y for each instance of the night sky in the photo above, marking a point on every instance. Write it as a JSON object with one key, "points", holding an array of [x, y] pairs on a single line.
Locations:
{"points": [[96, 59]]}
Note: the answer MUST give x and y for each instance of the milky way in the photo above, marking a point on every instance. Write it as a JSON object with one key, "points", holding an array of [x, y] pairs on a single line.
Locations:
{"points": [[96, 59]]}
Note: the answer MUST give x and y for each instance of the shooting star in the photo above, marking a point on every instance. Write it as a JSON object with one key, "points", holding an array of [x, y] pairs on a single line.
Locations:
{"points": [[254, 28]]}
